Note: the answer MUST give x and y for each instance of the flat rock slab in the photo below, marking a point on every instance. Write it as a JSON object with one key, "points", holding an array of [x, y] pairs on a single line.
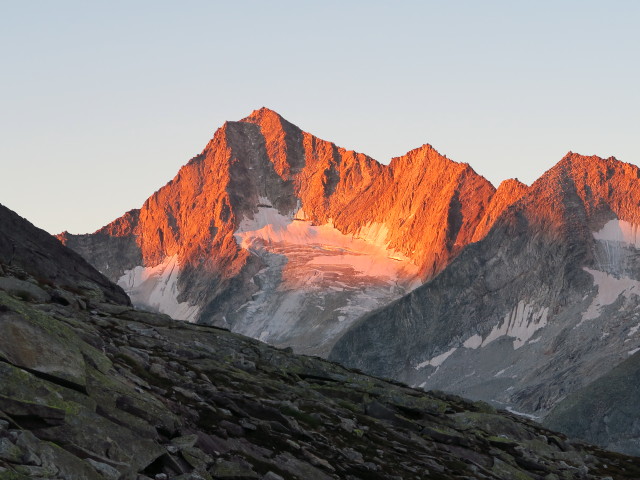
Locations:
{"points": [[23, 289], [47, 349]]}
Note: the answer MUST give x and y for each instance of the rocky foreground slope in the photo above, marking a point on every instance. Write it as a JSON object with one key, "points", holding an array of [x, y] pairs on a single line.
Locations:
{"points": [[543, 305], [279, 235], [92, 388]]}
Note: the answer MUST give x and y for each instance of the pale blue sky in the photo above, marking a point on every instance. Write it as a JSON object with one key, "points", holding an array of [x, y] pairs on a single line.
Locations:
{"points": [[101, 102]]}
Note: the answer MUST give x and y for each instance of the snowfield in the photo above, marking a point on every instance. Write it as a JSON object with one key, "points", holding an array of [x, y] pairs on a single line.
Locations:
{"points": [[156, 288]]}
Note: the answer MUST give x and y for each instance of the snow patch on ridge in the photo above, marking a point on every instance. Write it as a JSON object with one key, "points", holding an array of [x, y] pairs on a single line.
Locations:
{"points": [[437, 360], [157, 288], [525, 415], [521, 323], [619, 231], [609, 290]]}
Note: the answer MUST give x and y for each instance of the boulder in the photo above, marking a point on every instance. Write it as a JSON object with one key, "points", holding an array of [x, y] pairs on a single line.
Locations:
{"points": [[43, 346], [26, 290]]}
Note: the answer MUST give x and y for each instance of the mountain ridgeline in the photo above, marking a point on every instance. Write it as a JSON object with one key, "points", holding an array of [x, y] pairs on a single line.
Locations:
{"points": [[273, 232]]}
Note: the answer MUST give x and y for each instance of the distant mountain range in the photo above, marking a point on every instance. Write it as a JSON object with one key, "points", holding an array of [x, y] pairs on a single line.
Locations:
{"points": [[279, 235], [419, 270]]}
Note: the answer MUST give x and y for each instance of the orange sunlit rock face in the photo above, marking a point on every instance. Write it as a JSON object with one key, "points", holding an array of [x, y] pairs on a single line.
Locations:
{"points": [[431, 206], [371, 224], [508, 193], [580, 194]]}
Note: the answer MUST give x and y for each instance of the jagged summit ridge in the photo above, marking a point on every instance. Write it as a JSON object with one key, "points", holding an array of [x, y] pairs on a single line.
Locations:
{"points": [[507, 194], [274, 232]]}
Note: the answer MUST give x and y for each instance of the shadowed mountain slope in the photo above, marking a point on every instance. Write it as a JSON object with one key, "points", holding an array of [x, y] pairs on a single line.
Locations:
{"points": [[47, 260], [606, 411]]}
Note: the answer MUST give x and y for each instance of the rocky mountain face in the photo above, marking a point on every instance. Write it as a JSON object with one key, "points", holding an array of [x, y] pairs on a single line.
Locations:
{"points": [[605, 411], [93, 388], [285, 237], [544, 304]]}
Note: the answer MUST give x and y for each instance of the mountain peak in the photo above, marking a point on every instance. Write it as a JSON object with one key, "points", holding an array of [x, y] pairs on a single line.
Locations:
{"points": [[262, 114], [508, 193], [425, 155], [424, 150], [235, 210], [578, 159], [590, 169], [512, 184]]}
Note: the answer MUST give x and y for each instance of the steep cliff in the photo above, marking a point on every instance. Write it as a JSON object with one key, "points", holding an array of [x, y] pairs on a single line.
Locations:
{"points": [[280, 235]]}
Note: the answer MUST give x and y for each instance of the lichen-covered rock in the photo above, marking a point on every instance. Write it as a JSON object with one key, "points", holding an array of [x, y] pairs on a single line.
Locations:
{"points": [[25, 290], [43, 346]]}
